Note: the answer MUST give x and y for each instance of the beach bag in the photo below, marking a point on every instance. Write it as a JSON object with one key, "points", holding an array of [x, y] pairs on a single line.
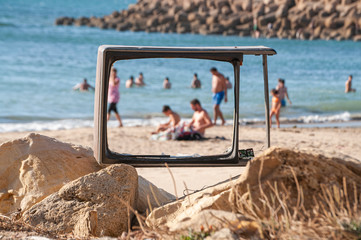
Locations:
{"points": [[189, 136]]}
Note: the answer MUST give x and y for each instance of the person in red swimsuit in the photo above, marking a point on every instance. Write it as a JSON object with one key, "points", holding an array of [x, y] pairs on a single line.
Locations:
{"points": [[276, 107]]}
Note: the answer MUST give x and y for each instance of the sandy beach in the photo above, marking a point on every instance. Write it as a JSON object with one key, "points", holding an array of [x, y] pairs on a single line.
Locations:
{"points": [[333, 142]]}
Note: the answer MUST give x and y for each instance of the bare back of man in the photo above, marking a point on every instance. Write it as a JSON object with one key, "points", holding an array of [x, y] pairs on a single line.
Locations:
{"points": [[218, 83]]}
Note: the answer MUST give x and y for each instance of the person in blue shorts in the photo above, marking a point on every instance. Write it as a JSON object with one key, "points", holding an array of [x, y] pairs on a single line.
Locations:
{"points": [[219, 89], [282, 92]]}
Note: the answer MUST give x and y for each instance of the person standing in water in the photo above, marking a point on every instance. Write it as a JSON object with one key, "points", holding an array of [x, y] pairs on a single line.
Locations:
{"points": [[166, 83], [113, 95], [196, 83], [84, 86], [140, 80], [282, 92], [348, 85], [130, 82], [276, 107], [219, 90]]}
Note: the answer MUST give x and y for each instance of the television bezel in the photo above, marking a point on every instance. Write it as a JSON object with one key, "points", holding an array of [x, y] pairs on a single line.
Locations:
{"points": [[109, 54]]}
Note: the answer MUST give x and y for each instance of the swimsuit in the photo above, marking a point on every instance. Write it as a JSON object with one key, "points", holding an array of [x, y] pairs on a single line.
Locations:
{"points": [[275, 100], [218, 97], [281, 95], [113, 96], [112, 107], [283, 102], [113, 92]]}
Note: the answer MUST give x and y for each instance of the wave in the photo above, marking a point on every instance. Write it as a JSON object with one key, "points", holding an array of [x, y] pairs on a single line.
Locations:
{"points": [[45, 125], [64, 124], [315, 118]]}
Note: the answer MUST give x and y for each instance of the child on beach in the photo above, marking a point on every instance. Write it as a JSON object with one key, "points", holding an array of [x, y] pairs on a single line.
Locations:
{"points": [[276, 107]]}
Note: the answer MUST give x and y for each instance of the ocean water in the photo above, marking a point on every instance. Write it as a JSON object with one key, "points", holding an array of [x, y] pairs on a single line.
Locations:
{"points": [[41, 62]]}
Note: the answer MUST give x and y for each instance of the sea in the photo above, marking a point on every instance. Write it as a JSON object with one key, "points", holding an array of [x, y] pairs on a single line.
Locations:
{"points": [[40, 63]]}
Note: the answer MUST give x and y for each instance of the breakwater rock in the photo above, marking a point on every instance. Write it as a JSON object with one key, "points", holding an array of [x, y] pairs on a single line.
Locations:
{"points": [[293, 19]]}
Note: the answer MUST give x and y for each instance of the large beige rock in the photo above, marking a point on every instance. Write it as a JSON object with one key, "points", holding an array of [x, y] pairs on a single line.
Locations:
{"points": [[150, 196], [35, 166], [275, 167], [173, 215], [92, 205], [281, 167]]}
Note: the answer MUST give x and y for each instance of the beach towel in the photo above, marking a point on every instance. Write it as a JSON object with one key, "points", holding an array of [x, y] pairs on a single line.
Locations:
{"points": [[181, 132]]}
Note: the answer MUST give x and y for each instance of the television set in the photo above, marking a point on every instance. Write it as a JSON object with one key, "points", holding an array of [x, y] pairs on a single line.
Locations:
{"points": [[234, 56]]}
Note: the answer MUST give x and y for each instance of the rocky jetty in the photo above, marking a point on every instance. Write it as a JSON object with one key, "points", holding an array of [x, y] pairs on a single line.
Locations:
{"points": [[293, 19]]}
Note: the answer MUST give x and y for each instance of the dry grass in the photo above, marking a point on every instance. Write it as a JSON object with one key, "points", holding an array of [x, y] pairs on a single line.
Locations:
{"points": [[332, 215], [335, 214]]}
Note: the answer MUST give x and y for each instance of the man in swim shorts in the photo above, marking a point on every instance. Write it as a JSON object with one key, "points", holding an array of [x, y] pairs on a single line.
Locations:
{"points": [[282, 92], [219, 89]]}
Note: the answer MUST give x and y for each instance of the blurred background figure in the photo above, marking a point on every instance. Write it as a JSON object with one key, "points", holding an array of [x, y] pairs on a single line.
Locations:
{"points": [[166, 83], [282, 92], [140, 80], [228, 83], [130, 82], [348, 85], [84, 86], [114, 95], [196, 83]]}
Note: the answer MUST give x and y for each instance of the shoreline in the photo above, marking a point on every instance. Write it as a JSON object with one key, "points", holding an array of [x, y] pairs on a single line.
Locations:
{"points": [[336, 120]]}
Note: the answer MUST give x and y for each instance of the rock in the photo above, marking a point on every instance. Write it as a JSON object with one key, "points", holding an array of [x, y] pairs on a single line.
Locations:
{"points": [[193, 16], [165, 19], [181, 17], [270, 8], [231, 22], [348, 33], [346, 2], [226, 10], [350, 22], [245, 18], [223, 234], [247, 5], [211, 20], [265, 19], [92, 205], [177, 212], [285, 170], [301, 13], [152, 22], [282, 11], [36, 166], [357, 38], [174, 10], [330, 7], [285, 24], [148, 193], [259, 10], [311, 171]]}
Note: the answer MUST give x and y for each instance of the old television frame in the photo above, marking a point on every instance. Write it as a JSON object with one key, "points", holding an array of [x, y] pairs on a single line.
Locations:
{"points": [[109, 54]]}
